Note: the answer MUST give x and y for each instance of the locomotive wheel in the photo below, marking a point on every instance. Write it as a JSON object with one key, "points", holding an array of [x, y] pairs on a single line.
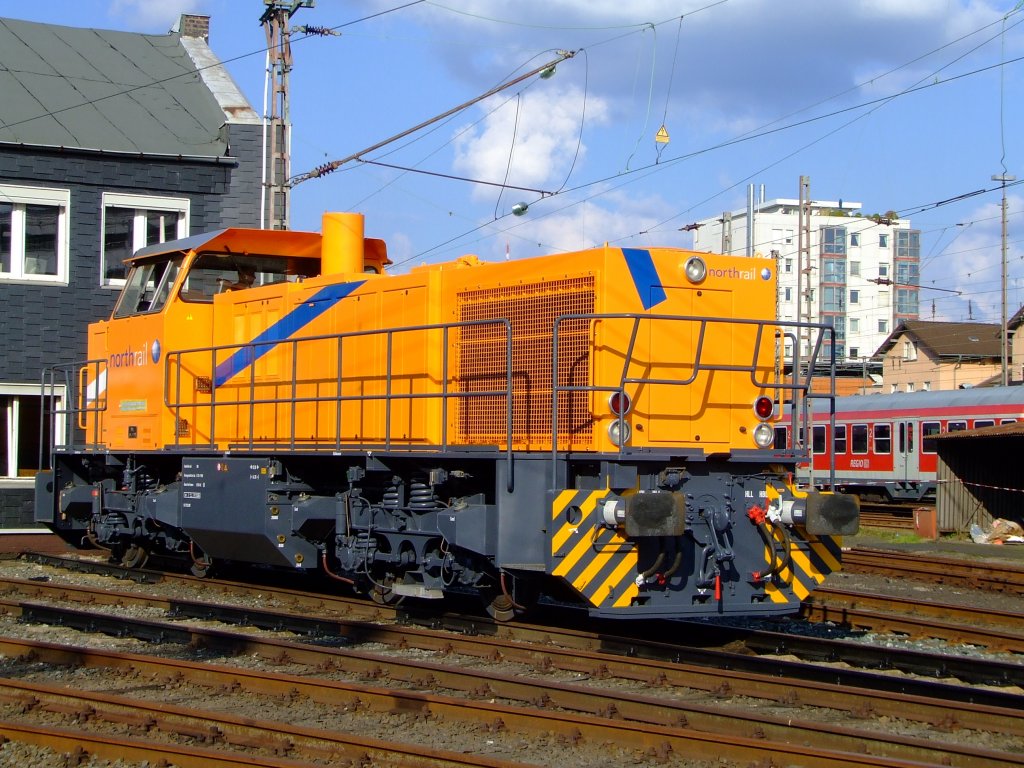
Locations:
{"points": [[382, 594], [136, 556]]}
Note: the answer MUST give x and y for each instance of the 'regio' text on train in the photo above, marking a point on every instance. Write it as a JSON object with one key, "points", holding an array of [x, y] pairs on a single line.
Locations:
{"points": [[592, 428]]}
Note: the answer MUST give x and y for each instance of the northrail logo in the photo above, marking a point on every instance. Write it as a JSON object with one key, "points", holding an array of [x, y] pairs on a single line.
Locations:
{"points": [[135, 358], [734, 273]]}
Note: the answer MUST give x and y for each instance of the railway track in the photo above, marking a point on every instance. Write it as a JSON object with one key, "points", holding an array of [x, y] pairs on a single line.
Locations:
{"points": [[936, 569], [40, 703], [661, 713], [303, 612], [576, 712]]}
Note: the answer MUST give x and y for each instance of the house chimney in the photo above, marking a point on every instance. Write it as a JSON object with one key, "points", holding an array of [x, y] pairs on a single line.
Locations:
{"points": [[190, 25]]}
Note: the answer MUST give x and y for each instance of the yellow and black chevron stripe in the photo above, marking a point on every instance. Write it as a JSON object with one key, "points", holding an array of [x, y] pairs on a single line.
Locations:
{"points": [[811, 560], [592, 558]]}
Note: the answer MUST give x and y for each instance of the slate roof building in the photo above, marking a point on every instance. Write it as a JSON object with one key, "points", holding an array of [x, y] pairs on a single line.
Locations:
{"points": [[109, 141]]}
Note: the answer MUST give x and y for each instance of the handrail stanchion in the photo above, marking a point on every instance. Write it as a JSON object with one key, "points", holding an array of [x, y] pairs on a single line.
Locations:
{"points": [[292, 416], [509, 426], [338, 399]]}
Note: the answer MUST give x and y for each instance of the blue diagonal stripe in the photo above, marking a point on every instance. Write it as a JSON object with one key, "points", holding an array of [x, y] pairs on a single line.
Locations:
{"points": [[294, 321], [645, 276]]}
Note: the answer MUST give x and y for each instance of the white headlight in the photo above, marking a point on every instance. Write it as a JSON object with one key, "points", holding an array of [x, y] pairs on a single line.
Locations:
{"points": [[764, 435], [613, 433], [696, 270]]}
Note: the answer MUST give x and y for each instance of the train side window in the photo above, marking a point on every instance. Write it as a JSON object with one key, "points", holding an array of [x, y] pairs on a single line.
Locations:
{"points": [[781, 439], [883, 438], [957, 426], [839, 444], [928, 431], [818, 436], [859, 438], [1007, 421], [978, 423]]}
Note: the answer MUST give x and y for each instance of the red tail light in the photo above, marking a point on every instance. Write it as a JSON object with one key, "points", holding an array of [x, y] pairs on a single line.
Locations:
{"points": [[619, 403], [764, 407]]}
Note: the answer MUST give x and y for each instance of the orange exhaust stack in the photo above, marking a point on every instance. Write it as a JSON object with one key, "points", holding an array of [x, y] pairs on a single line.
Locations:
{"points": [[341, 249]]}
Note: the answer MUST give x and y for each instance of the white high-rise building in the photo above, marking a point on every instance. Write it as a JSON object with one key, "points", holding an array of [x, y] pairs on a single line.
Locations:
{"points": [[862, 274]]}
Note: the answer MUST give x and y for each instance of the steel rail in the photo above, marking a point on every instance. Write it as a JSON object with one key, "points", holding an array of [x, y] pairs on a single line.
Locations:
{"points": [[293, 741], [725, 682], [978, 574], [608, 637], [680, 738], [828, 598]]}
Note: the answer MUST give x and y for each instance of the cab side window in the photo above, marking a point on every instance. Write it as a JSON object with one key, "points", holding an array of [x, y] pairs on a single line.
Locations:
{"points": [[147, 287]]}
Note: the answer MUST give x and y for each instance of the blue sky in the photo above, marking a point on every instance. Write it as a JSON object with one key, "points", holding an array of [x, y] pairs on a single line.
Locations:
{"points": [[897, 105]]}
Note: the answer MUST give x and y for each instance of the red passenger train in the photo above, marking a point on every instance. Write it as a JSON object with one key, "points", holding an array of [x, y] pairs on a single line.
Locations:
{"points": [[884, 444]]}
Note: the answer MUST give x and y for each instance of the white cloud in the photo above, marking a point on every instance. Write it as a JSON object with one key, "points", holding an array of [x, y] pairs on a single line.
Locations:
{"points": [[544, 125], [592, 223], [972, 264]]}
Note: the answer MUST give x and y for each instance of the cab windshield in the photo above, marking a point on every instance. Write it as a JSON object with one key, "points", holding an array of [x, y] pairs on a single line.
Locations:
{"points": [[213, 273], [148, 285]]}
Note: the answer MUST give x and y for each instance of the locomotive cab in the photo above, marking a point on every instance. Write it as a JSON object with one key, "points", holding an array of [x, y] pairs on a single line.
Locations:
{"points": [[170, 302]]}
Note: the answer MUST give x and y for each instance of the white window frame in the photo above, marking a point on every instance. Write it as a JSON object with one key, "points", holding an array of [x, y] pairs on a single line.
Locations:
{"points": [[9, 477], [21, 196], [140, 203]]}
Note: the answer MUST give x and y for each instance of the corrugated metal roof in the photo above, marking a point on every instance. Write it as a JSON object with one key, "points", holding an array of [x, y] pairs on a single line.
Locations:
{"points": [[105, 90]]}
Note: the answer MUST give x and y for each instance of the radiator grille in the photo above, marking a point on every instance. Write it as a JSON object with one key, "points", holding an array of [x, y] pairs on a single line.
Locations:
{"points": [[531, 309]]}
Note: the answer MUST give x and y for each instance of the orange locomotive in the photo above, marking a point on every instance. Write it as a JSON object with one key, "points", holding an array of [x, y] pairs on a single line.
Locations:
{"points": [[592, 427]]}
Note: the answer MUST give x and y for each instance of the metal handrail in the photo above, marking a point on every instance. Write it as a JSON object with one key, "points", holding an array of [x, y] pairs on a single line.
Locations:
{"points": [[698, 365], [77, 405], [250, 352]]}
